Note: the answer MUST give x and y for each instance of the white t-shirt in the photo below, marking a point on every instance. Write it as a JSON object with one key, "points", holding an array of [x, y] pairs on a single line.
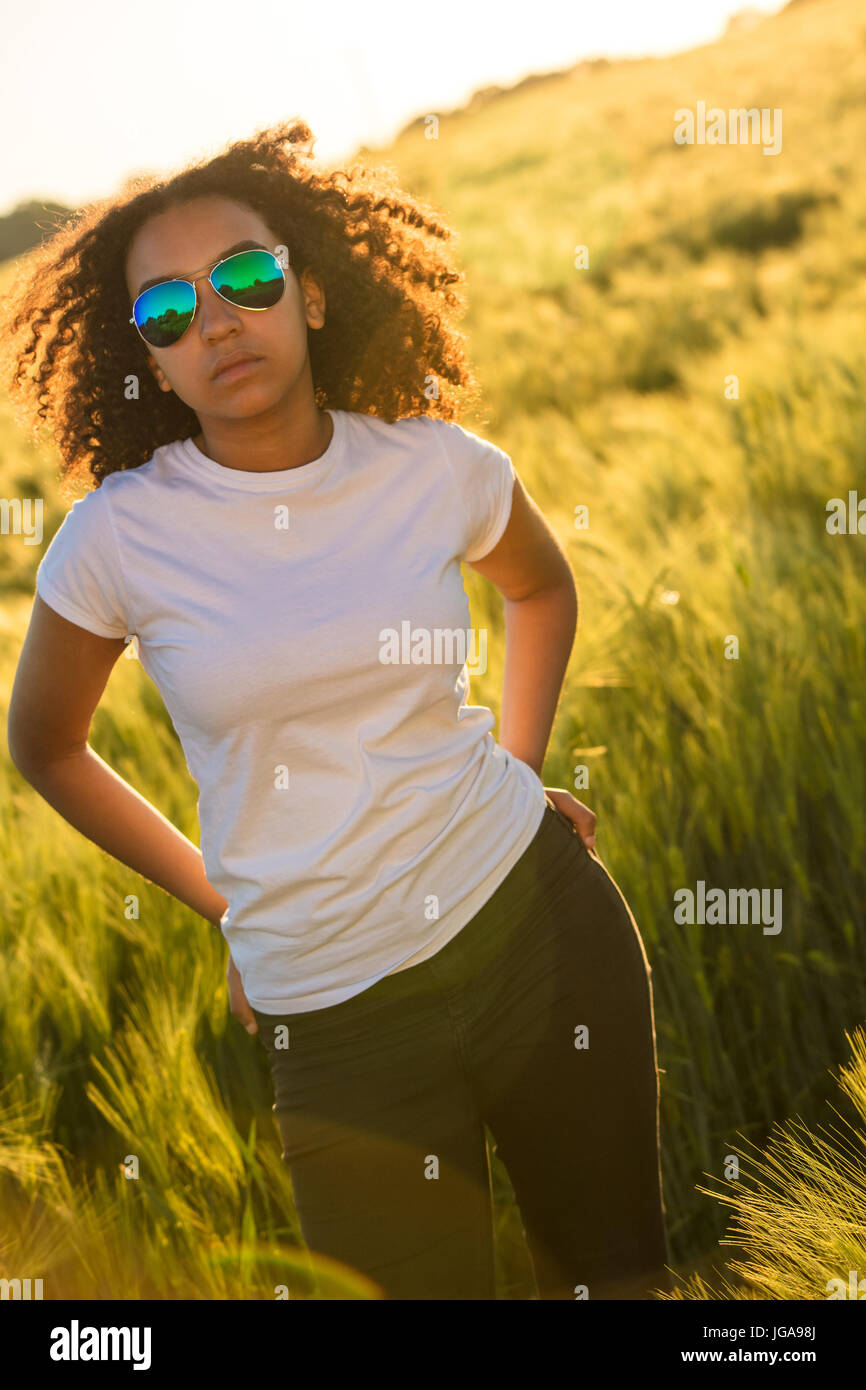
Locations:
{"points": [[355, 811]]}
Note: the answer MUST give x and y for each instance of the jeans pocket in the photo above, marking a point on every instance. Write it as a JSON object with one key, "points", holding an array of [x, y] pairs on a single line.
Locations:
{"points": [[569, 824], [580, 856], [268, 1036]]}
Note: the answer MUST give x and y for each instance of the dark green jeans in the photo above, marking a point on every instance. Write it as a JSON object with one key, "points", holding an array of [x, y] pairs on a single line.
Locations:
{"points": [[536, 1019]]}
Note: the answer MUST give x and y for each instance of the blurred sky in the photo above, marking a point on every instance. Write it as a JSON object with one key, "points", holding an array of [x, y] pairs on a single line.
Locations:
{"points": [[94, 91]]}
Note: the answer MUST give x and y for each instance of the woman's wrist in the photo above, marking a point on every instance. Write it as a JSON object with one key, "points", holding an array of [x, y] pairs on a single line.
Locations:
{"points": [[214, 911]]}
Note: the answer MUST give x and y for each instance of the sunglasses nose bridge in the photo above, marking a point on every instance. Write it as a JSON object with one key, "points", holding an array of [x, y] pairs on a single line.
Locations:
{"points": [[202, 275]]}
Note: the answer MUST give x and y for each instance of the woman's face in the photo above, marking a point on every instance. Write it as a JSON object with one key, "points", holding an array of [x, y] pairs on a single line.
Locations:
{"points": [[187, 240]]}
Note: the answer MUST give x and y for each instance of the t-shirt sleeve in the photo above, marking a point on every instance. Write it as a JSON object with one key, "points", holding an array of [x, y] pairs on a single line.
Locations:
{"points": [[484, 475], [79, 576]]}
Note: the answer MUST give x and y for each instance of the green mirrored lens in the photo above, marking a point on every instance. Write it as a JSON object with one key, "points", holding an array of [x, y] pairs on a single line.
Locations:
{"points": [[164, 313], [252, 280]]}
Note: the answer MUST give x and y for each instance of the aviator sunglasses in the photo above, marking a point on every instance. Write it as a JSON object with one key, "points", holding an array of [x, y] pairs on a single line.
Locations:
{"points": [[249, 280]]}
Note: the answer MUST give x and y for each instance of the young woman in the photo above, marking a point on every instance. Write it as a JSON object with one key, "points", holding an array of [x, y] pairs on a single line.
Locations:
{"points": [[247, 360]]}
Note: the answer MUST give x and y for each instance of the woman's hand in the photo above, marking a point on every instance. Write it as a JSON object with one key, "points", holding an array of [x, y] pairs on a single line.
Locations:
{"points": [[581, 817], [238, 1002]]}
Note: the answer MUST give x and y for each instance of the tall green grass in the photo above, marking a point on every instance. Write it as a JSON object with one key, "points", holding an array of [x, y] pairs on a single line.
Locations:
{"points": [[799, 1219]]}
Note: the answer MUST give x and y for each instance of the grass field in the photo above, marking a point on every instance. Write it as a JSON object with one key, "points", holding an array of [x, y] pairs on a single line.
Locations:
{"points": [[707, 521]]}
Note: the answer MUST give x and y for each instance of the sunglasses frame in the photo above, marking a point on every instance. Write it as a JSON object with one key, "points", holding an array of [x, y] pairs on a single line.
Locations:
{"points": [[208, 275]]}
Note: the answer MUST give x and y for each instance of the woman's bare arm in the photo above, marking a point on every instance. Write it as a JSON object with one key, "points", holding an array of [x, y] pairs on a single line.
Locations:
{"points": [[530, 569], [62, 672]]}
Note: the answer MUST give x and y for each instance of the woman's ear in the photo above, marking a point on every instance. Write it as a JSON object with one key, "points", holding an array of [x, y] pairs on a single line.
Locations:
{"points": [[314, 299], [159, 375]]}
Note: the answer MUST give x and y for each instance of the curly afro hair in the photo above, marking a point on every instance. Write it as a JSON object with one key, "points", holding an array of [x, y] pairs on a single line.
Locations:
{"points": [[384, 258]]}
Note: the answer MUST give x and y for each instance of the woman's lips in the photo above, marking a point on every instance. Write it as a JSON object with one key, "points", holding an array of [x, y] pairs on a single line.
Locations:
{"points": [[239, 370]]}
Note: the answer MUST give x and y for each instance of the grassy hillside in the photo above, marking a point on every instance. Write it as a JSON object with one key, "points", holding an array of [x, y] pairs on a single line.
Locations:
{"points": [[707, 514]]}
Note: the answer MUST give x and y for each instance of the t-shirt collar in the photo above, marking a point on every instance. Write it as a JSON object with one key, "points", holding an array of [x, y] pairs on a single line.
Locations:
{"points": [[276, 480]]}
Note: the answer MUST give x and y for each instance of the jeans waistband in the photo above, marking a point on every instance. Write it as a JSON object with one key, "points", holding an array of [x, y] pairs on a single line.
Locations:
{"points": [[555, 853]]}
